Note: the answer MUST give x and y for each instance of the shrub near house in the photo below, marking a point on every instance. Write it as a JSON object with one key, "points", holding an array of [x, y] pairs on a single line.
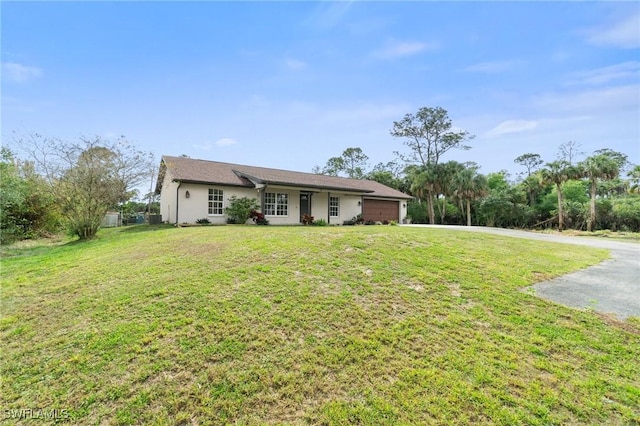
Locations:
{"points": [[240, 209]]}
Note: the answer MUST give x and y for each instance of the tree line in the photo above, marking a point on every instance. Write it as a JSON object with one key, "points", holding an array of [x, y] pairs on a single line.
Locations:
{"points": [[599, 191], [55, 184], [67, 185]]}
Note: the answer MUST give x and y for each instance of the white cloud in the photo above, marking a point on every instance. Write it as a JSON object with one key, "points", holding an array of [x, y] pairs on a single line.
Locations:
{"points": [[295, 64], [20, 73], [328, 14], [208, 146], [625, 70], [623, 34], [366, 26], [399, 49], [225, 142], [597, 100], [494, 66], [512, 126]]}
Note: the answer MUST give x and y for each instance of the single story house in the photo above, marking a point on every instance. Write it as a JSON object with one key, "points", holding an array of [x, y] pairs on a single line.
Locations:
{"points": [[192, 189]]}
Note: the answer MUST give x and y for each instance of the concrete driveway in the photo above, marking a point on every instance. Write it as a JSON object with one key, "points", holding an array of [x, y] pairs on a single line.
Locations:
{"points": [[612, 286]]}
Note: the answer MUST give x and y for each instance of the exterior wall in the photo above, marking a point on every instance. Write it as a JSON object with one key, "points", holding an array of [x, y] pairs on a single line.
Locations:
{"points": [[293, 208], [320, 206], [403, 210], [348, 207], [168, 199], [197, 205]]}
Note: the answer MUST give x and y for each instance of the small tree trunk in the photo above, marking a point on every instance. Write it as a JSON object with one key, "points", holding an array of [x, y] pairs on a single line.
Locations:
{"points": [[432, 215], [468, 212], [592, 207], [443, 210], [560, 213]]}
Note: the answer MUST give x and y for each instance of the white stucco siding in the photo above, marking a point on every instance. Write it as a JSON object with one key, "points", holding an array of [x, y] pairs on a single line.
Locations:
{"points": [[403, 210], [350, 207], [168, 199], [347, 206], [293, 206], [320, 206], [197, 205]]}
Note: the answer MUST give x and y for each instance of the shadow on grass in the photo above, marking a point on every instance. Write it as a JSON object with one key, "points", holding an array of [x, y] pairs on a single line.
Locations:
{"points": [[34, 247], [144, 228], [61, 242]]}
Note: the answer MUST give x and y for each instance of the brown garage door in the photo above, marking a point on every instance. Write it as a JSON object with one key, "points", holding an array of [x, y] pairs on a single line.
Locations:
{"points": [[379, 210]]}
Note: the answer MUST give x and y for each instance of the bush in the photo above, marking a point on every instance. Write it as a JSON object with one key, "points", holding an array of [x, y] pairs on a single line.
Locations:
{"points": [[203, 221], [320, 222], [626, 212], [417, 211], [239, 210], [27, 205]]}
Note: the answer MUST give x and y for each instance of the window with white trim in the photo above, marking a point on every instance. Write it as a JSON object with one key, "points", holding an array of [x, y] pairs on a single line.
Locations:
{"points": [[216, 201], [276, 204], [334, 206]]}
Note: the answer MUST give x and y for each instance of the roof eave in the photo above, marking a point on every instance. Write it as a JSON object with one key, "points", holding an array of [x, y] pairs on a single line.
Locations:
{"points": [[330, 188], [391, 197], [256, 181], [202, 182]]}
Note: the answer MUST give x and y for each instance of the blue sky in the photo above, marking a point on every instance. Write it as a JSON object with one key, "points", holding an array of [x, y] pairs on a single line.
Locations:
{"points": [[291, 84]]}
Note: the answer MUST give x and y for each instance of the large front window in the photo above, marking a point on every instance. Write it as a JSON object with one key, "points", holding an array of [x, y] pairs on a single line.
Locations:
{"points": [[334, 206], [276, 204], [216, 197]]}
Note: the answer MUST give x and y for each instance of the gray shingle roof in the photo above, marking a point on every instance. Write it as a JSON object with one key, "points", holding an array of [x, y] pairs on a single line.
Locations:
{"points": [[215, 172]]}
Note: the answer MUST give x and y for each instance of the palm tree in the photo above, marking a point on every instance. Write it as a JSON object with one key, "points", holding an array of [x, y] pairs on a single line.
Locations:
{"points": [[446, 173], [532, 185], [557, 172], [469, 185], [423, 186], [595, 168], [634, 180]]}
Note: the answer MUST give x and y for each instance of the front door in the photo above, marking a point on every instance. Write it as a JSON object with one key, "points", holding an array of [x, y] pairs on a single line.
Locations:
{"points": [[305, 204]]}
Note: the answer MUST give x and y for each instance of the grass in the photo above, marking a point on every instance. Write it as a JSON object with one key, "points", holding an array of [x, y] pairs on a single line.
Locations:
{"points": [[305, 325], [629, 237]]}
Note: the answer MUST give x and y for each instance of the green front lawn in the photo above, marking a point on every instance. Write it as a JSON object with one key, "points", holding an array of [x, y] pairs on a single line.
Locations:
{"points": [[323, 325]]}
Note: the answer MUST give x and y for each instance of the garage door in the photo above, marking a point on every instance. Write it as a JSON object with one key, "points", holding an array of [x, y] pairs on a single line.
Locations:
{"points": [[379, 210]]}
